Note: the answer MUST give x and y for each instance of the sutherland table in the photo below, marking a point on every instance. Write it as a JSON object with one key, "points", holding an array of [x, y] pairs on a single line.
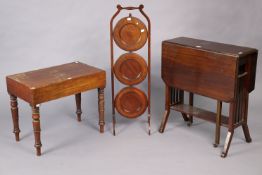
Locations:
{"points": [[219, 71], [43, 85]]}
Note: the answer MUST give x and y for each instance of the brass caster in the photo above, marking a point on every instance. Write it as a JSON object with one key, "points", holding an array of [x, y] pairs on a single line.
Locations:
{"points": [[249, 140], [215, 145], [161, 130], [223, 155]]}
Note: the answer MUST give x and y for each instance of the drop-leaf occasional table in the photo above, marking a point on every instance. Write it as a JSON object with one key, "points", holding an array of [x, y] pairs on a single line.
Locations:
{"points": [[219, 71]]}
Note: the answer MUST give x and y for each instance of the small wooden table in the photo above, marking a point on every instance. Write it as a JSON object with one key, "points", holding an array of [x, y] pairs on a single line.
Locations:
{"points": [[39, 86], [219, 71]]}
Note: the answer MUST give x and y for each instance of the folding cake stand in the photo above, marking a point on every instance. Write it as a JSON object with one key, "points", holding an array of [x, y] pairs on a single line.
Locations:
{"points": [[130, 34]]}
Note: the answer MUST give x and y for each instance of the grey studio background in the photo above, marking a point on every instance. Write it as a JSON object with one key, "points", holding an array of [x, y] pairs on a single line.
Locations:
{"points": [[36, 34]]}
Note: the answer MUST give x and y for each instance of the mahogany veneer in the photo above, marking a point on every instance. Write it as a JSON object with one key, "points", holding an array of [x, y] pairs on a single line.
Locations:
{"points": [[39, 86], [219, 71]]}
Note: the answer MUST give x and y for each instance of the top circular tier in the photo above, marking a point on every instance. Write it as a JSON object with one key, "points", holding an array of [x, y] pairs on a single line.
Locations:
{"points": [[130, 33]]}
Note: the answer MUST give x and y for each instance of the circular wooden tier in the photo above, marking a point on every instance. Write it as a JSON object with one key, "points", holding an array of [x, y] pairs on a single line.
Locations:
{"points": [[130, 33], [131, 102], [130, 69]]}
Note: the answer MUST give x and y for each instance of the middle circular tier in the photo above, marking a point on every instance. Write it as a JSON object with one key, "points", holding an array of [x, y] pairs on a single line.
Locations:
{"points": [[130, 69], [131, 102]]}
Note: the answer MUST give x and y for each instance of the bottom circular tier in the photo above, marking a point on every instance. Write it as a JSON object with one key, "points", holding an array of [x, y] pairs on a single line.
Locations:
{"points": [[131, 102]]}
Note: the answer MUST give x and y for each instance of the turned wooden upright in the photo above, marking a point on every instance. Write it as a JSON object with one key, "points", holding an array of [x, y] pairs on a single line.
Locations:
{"points": [[36, 87], [219, 71]]}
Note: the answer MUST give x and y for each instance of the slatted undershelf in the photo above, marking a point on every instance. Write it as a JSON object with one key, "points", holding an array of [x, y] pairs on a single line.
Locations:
{"points": [[199, 113]]}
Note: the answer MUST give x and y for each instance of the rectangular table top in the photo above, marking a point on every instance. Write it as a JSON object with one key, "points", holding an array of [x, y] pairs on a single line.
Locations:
{"points": [[50, 83], [211, 46], [207, 68], [44, 77]]}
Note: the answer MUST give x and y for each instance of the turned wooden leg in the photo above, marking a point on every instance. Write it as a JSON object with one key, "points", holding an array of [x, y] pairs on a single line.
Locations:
{"points": [[191, 102], [15, 117], [37, 129], [244, 125], [78, 106], [167, 111], [230, 133], [101, 109], [218, 123]]}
